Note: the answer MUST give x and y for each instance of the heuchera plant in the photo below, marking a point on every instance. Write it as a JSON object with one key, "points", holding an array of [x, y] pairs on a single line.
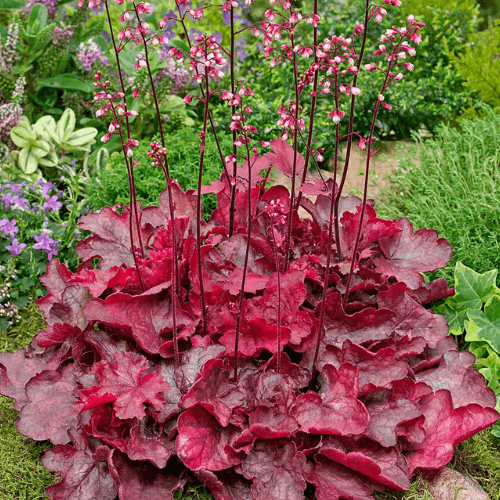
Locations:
{"points": [[280, 350]]}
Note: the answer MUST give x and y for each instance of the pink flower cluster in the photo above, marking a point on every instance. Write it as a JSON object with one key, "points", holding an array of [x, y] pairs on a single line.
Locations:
{"points": [[62, 36], [88, 53], [10, 113], [8, 53]]}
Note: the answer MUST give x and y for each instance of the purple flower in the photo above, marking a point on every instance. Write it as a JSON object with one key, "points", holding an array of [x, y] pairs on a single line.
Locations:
{"points": [[8, 227], [46, 244], [9, 199], [46, 188], [15, 248], [52, 204]]}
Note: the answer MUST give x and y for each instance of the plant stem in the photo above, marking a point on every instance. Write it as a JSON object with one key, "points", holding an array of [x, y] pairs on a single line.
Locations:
{"points": [[313, 107], [175, 267], [349, 136]]}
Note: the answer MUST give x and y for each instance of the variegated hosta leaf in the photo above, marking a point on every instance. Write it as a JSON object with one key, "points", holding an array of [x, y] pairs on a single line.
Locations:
{"points": [[82, 137], [22, 137], [44, 124], [66, 124], [51, 160], [41, 149], [27, 161]]}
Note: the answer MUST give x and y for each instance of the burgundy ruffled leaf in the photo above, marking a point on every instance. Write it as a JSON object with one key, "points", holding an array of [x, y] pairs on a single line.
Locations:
{"points": [[52, 407], [146, 317], [215, 392], [387, 412], [66, 299], [445, 427], [19, 367], [377, 370], [203, 444], [150, 443], [84, 471], [366, 325], [384, 466], [347, 416], [412, 320], [466, 385], [186, 372], [111, 238], [282, 158], [125, 383], [407, 254], [230, 486], [335, 482], [373, 229], [106, 426], [141, 480], [276, 471]]}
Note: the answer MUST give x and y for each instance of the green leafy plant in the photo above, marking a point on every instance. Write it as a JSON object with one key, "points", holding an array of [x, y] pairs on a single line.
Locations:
{"points": [[43, 142], [475, 310], [479, 65]]}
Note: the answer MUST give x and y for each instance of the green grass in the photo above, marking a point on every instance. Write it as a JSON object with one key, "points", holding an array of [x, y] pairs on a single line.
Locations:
{"points": [[453, 187]]}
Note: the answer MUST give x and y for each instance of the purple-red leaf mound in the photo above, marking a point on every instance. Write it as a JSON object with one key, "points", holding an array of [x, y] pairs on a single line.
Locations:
{"points": [[345, 386]]}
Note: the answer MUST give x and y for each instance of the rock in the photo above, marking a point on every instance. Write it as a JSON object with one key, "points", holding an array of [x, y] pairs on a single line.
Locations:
{"points": [[451, 485]]}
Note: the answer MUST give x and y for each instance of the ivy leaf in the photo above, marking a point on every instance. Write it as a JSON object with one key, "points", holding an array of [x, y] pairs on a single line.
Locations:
{"points": [[471, 291], [485, 325]]}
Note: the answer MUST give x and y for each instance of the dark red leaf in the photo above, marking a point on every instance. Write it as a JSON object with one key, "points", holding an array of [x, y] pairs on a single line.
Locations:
{"points": [[388, 411], [466, 385], [445, 427], [215, 392], [18, 368], [407, 254], [276, 471], [282, 158], [150, 443], [146, 316], [84, 472], [381, 465], [111, 238], [52, 407], [366, 325], [203, 444], [123, 382], [377, 370], [412, 320], [141, 480], [335, 482]]}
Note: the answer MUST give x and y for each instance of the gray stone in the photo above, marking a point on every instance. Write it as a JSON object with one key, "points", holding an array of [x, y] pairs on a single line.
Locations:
{"points": [[451, 485]]}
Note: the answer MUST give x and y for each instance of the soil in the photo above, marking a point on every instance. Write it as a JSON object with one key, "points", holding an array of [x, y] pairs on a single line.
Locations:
{"points": [[382, 163]]}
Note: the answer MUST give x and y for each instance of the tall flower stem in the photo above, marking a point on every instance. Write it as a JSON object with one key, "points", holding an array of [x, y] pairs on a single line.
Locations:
{"points": [[365, 189], [295, 151], [313, 105], [128, 162], [245, 266], [349, 136], [212, 125], [198, 203], [175, 266]]}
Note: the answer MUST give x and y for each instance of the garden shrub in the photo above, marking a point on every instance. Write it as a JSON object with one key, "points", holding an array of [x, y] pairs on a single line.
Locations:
{"points": [[433, 92], [479, 66], [450, 182]]}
